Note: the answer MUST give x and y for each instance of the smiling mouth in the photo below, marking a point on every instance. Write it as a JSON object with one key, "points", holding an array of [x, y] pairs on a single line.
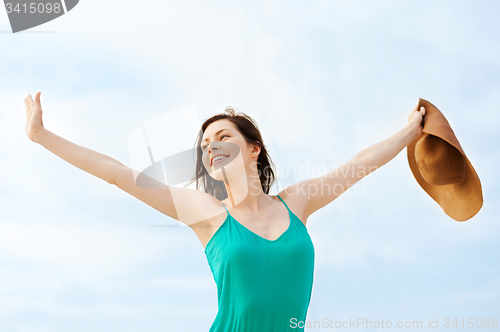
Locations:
{"points": [[218, 159]]}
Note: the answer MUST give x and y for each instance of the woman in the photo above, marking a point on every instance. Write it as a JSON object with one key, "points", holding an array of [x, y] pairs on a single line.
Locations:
{"points": [[260, 254]]}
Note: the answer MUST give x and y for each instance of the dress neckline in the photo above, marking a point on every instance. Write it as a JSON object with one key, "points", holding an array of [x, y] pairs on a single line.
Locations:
{"points": [[261, 237]]}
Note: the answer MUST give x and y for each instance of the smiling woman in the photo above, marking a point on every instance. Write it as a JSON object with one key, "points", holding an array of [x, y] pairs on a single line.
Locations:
{"points": [[235, 128], [261, 255], [263, 264]]}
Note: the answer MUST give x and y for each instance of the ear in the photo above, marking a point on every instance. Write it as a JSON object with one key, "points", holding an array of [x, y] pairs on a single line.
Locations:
{"points": [[256, 148]]}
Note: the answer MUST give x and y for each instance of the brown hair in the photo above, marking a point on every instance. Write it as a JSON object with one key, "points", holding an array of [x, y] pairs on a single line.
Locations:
{"points": [[250, 131]]}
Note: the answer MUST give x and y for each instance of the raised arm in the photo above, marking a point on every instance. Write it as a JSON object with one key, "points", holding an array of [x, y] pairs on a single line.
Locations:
{"points": [[311, 195], [193, 205], [90, 161]]}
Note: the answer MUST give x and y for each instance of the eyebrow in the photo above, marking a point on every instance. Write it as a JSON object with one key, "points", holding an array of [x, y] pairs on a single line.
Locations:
{"points": [[217, 133]]}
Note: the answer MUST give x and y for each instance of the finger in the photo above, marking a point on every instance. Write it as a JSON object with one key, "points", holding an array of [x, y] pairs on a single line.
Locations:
{"points": [[26, 104], [37, 99], [30, 99], [422, 110], [416, 108]]}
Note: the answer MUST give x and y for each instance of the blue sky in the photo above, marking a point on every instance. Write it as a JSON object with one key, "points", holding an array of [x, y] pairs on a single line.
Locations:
{"points": [[323, 79]]}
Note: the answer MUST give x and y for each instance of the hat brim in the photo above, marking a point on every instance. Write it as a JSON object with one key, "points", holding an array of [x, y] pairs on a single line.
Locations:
{"points": [[461, 201]]}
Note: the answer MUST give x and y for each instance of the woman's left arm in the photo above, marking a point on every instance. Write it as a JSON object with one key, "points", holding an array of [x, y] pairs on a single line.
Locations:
{"points": [[313, 194], [379, 154]]}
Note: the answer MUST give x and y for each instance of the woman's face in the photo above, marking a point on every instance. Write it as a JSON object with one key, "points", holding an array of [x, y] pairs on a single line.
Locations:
{"points": [[221, 144]]}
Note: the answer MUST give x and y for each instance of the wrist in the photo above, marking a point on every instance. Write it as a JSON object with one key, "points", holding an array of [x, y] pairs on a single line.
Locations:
{"points": [[37, 133], [414, 129]]}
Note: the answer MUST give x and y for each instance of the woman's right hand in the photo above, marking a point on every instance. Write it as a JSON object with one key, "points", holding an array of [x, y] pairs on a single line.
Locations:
{"points": [[34, 121]]}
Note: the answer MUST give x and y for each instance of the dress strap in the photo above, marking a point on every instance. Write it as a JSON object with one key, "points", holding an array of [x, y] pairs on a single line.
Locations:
{"points": [[225, 208], [283, 202]]}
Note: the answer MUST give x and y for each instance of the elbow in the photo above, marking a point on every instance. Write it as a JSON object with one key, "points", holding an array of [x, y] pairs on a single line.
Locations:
{"points": [[111, 172], [109, 178], [365, 164]]}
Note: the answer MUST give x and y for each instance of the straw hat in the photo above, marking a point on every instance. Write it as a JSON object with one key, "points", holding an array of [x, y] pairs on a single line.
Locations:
{"points": [[441, 167]]}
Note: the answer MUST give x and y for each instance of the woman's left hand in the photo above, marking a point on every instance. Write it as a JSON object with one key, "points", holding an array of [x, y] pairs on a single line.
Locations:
{"points": [[416, 116]]}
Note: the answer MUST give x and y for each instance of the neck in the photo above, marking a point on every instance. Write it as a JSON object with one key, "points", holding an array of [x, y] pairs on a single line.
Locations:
{"points": [[245, 192]]}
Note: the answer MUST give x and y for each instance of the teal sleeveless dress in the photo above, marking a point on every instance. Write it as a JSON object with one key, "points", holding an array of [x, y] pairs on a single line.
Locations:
{"points": [[262, 285]]}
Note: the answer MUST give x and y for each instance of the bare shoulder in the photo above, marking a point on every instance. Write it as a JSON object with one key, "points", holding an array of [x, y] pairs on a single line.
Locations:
{"points": [[296, 202], [209, 220]]}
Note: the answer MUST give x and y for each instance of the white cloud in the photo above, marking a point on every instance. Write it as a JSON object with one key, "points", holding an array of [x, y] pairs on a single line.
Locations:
{"points": [[261, 58], [84, 253], [186, 283]]}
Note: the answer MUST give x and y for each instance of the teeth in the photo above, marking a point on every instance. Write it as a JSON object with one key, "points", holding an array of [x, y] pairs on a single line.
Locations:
{"points": [[216, 159]]}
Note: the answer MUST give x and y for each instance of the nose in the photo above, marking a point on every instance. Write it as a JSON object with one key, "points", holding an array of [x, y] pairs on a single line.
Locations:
{"points": [[210, 147]]}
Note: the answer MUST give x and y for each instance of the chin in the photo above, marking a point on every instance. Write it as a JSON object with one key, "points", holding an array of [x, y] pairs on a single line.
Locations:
{"points": [[216, 173]]}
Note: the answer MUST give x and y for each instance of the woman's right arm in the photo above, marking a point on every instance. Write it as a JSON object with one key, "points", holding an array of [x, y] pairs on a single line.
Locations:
{"points": [[116, 173], [90, 161]]}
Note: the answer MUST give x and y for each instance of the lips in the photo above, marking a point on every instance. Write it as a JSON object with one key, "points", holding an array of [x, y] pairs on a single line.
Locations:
{"points": [[217, 155]]}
